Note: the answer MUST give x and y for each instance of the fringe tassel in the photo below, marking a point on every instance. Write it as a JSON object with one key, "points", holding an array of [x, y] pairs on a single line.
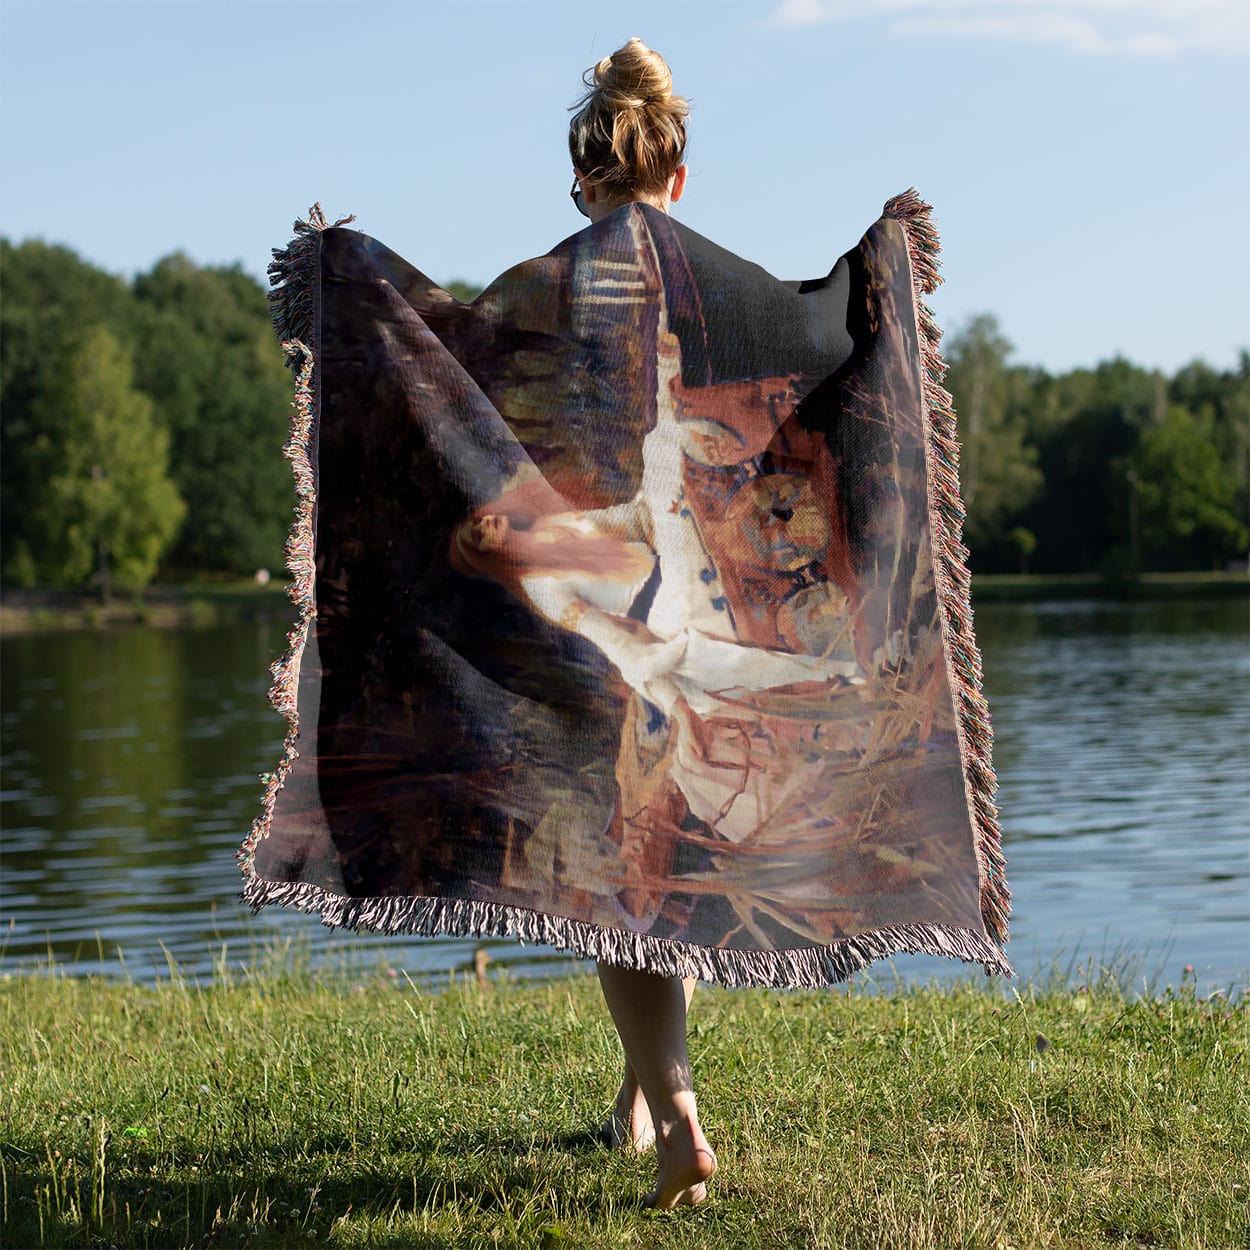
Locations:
{"points": [[293, 279], [808, 968], [293, 303], [976, 737], [301, 563]]}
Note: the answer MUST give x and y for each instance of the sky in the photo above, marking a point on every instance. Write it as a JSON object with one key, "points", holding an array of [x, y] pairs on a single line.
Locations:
{"points": [[1088, 160]]}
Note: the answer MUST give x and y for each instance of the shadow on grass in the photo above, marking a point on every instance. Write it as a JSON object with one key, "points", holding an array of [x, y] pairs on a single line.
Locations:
{"points": [[264, 1198]]}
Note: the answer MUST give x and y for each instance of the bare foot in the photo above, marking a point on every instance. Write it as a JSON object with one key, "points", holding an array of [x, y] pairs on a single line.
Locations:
{"points": [[629, 1126], [686, 1165]]}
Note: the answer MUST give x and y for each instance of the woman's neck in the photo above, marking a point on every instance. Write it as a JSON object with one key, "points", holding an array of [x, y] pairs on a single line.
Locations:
{"points": [[603, 208]]}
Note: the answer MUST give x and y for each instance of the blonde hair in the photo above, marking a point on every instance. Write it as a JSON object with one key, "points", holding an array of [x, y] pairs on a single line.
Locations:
{"points": [[535, 506], [629, 131]]}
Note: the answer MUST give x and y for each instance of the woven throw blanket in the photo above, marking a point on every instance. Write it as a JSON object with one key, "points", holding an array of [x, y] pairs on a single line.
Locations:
{"points": [[633, 615]]}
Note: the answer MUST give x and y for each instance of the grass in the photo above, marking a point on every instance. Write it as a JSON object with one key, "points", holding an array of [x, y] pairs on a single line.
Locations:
{"points": [[293, 1109]]}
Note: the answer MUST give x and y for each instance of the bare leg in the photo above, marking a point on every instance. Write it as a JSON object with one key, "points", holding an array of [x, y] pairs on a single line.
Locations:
{"points": [[650, 1015], [629, 1124]]}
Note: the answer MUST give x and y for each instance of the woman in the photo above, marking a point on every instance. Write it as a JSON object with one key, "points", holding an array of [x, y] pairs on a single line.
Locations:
{"points": [[687, 659], [628, 141], [622, 627]]}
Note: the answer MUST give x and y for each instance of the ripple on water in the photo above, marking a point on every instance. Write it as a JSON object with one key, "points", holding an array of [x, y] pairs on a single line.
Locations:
{"points": [[1121, 733]]}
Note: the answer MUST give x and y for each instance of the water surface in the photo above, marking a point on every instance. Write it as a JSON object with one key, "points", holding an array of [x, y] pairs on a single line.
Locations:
{"points": [[131, 759]]}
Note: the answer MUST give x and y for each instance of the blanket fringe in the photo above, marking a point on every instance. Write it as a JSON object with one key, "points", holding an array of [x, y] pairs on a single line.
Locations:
{"points": [[293, 304], [301, 563], [805, 968], [293, 279], [954, 585]]}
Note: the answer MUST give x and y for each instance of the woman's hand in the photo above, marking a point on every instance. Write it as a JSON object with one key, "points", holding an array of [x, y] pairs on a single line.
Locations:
{"points": [[649, 670], [644, 660]]}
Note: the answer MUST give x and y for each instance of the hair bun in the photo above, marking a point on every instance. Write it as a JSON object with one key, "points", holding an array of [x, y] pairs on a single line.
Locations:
{"points": [[634, 76], [629, 131]]}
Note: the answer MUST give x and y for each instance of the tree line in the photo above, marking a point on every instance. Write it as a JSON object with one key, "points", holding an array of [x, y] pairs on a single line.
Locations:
{"points": [[142, 422], [1113, 470]]}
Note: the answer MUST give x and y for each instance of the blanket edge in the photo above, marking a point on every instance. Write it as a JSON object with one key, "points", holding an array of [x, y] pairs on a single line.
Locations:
{"points": [[293, 305], [951, 574], [810, 967]]}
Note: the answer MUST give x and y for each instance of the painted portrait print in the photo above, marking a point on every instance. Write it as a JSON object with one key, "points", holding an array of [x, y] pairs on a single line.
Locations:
{"points": [[629, 614]]}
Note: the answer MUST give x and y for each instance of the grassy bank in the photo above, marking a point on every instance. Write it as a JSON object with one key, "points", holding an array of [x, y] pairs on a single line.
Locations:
{"points": [[191, 603], [1001, 587], [285, 1110], [213, 603]]}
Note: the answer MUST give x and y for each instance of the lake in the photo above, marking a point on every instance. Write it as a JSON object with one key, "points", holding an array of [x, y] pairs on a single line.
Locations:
{"points": [[130, 761]]}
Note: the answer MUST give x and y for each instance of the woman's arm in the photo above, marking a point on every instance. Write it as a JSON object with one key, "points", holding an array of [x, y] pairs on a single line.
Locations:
{"points": [[643, 659], [629, 522]]}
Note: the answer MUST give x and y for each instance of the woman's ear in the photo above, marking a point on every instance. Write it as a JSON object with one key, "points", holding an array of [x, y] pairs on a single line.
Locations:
{"points": [[588, 186], [678, 184]]}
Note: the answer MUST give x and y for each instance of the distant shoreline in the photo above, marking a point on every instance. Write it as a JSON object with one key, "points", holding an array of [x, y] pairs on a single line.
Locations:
{"points": [[195, 604], [178, 605], [1004, 587]]}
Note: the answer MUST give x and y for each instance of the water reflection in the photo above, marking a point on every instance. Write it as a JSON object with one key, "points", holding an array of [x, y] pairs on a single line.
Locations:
{"points": [[1123, 731], [131, 757]]}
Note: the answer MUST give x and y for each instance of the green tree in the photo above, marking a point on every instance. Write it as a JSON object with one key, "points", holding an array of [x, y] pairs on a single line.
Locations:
{"points": [[51, 297], [1185, 495], [1024, 543], [465, 292], [1222, 398], [105, 508], [208, 357], [1085, 425], [997, 467]]}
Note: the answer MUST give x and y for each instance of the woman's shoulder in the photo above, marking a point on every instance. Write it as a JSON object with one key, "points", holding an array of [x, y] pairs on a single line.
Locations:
{"points": [[749, 323]]}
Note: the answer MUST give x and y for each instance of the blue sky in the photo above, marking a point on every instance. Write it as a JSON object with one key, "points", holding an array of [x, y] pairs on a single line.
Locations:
{"points": [[1089, 160]]}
